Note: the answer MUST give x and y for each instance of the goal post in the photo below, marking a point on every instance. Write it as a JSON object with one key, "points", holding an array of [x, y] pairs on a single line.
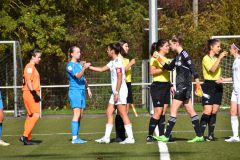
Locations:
{"points": [[16, 61], [226, 66]]}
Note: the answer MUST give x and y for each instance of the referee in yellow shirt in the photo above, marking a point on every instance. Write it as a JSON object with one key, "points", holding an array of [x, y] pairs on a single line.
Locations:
{"points": [[211, 73], [120, 130], [160, 88]]}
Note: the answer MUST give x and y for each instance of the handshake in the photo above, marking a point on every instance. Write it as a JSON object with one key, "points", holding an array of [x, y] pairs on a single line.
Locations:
{"points": [[86, 65]]}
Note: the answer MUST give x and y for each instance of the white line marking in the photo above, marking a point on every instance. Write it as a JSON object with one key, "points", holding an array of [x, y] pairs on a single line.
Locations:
{"points": [[93, 133], [163, 150]]}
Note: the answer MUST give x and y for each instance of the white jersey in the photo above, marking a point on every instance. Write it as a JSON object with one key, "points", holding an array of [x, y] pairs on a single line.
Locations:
{"points": [[116, 66], [236, 74]]}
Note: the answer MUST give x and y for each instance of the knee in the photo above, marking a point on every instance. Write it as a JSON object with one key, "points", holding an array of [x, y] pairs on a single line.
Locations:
{"points": [[37, 115], [207, 111], [233, 113], [156, 115], [214, 111], [108, 114], [1, 119]]}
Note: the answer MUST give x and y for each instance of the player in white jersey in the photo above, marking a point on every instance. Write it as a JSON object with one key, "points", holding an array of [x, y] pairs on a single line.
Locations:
{"points": [[235, 99], [119, 94]]}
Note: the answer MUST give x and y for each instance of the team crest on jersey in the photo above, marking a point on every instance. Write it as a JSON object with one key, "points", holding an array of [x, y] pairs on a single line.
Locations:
{"points": [[178, 63], [29, 70], [69, 68], [119, 70]]}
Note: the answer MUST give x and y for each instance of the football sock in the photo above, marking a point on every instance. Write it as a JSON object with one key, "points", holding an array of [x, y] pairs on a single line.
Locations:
{"points": [[204, 121], [152, 125], [29, 125], [161, 125], [108, 130], [235, 124], [74, 125], [129, 131], [212, 124], [196, 125], [170, 125], [1, 130]]}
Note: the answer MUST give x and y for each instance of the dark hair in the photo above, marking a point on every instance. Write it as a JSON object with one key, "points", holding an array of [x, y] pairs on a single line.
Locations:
{"points": [[177, 38], [122, 42], [210, 43], [116, 47], [70, 50], [33, 52], [153, 48], [160, 43]]}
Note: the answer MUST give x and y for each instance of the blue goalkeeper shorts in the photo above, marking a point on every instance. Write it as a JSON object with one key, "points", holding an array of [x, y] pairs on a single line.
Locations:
{"points": [[77, 98], [1, 102]]}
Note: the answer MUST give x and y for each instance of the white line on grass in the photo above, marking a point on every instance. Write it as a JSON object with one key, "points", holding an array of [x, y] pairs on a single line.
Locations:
{"points": [[163, 150], [93, 133]]}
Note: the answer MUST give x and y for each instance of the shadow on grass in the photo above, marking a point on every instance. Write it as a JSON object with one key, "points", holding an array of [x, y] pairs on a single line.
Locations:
{"points": [[98, 155]]}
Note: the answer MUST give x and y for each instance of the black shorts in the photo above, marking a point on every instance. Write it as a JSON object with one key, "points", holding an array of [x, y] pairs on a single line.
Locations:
{"points": [[183, 92], [214, 90], [130, 96], [160, 93]]}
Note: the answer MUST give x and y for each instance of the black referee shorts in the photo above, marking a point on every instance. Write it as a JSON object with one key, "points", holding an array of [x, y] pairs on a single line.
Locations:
{"points": [[130, 96], [214, 90], [160, 93]]}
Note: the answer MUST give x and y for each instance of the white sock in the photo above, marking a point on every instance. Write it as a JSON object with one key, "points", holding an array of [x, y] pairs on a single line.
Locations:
{"points": [[74, 137], [129, 131], [235, 124], [108, 130]]}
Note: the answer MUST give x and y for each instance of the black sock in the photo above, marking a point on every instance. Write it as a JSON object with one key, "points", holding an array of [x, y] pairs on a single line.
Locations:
{"points": [[170, 125], [161, 125], [152, 125], [119, 126], [196, 125], [211, 124], [204, 121]]}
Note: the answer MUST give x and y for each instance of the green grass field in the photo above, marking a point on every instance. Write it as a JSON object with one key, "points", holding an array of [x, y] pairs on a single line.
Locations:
{"points": [[54, 131]]}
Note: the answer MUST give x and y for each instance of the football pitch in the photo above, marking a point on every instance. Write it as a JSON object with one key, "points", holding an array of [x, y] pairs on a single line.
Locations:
{"points": [[54, 132]]}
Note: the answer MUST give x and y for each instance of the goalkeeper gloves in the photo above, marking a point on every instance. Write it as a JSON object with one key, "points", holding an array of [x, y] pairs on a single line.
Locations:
{"points": [[35, 96], [198, 91]]}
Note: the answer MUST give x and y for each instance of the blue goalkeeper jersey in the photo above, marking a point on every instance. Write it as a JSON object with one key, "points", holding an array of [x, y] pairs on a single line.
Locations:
{"points": [[72, 69]]}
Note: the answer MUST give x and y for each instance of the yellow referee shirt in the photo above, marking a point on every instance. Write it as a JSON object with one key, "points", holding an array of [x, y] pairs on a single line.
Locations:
{"points": [[128, 73], [165, 75], [207, 64]]}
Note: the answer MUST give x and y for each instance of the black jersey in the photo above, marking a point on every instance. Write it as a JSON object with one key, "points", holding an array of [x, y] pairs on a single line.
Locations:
{"points": [[184, 68]]}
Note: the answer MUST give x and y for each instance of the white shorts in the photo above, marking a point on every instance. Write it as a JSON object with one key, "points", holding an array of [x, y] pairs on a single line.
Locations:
{"points": [[121, 100], [235, 97]]}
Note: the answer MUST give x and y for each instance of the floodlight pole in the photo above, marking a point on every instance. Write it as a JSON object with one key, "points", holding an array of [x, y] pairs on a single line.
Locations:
{"points": [[153, 35], [195, 13]]}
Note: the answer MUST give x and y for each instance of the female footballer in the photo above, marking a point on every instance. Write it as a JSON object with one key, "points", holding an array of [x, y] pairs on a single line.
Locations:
{"points": [[31, 90], [235, 98], [119, 94], [119, 125], [76, 93]]}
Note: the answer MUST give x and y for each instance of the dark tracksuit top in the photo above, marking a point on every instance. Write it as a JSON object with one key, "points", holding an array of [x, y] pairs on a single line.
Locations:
{"points": [[185, 69]]}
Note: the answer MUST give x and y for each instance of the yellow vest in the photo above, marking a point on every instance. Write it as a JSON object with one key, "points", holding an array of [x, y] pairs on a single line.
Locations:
{"points": [[128, 73], [165, 75], [207, 64]]}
